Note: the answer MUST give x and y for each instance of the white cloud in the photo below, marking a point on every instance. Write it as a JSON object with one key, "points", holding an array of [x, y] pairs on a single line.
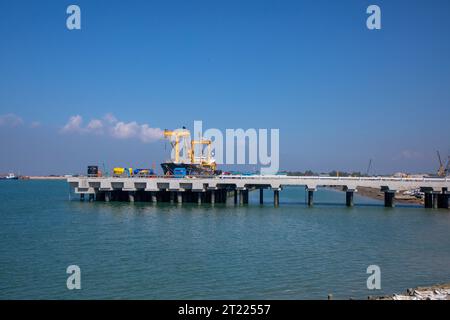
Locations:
{"points": [[110, 118], [10, 120], [74, 124], [95, 125], [148, 134], [125, 130], [114, 128]]}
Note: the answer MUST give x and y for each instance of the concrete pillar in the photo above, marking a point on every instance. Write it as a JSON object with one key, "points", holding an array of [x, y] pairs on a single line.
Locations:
{"points": [[154, 197], [261, 196], [81, 196], [349, 198], [276, 198], [443, 199], [389, 198], [435, 200], [241, 197], [219, 196], [131, 196], [310, 197], [172, 196], [107, 196], [428, 200], [199, 197], [179, 197], [235, 196], [91, 197], [245, 194], [213, 196]]}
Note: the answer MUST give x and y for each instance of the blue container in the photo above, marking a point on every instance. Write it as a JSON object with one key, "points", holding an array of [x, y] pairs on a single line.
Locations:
{"points": [[179, 172]]}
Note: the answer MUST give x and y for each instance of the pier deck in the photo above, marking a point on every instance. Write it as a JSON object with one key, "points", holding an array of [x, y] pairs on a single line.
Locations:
{"points": [[208, 188]]}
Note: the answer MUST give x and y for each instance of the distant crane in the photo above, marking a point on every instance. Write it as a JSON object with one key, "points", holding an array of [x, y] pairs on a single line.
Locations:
{"points": [[443, 170], [368, 167]]}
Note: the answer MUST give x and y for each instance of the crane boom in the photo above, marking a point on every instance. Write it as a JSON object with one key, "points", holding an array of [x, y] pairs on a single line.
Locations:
{"points": [[442, 170]]}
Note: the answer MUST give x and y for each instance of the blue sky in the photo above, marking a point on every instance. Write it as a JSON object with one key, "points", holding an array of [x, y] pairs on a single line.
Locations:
{"points": [[339, 93]]}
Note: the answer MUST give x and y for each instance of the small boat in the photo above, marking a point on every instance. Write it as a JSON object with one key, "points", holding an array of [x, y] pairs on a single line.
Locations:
{"points": [[11, 176]]}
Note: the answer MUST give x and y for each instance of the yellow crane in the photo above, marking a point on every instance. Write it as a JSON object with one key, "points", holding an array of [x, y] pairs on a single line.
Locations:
{"points": [[203, 161], [175, 136], [182, 135]]}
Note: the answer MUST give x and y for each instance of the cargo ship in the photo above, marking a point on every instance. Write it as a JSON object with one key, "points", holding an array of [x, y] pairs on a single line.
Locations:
{"points": [[185, 157]]}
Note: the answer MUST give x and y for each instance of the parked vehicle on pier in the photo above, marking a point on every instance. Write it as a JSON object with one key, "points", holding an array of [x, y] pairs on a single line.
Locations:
{"points": [[92, 171], [121, 172], [143, 172]]}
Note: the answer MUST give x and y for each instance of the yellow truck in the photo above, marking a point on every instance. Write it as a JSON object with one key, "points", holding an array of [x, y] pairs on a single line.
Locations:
{"points": [[122, 171]]}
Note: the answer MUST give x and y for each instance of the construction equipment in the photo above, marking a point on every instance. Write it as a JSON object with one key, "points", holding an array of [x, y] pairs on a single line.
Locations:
{"points": [[369, 167], [447, 167], [443, 171], [122, 171], [205, 161], [92, 171], [186, 156], [143, 172], [175, 136]]}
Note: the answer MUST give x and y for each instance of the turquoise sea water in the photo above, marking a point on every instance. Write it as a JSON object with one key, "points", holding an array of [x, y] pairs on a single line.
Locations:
{"points": [[144, 251]]}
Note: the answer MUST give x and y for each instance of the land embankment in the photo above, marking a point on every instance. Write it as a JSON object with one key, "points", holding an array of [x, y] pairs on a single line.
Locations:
{"points": [[46, 178], [374, 193]]}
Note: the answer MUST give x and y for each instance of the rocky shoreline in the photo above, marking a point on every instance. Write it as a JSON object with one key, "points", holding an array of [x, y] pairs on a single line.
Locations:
{"points": [[436, 292]]}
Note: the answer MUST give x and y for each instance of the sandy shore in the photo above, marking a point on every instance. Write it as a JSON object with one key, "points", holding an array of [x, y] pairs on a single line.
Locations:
{"points": [[45, 178], [378, 195]]}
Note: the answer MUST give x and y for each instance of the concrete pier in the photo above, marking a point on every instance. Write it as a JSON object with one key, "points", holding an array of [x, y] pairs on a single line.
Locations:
{"points": [[91, 197], [199, 198], [349, 197], [153, 197], [245, 195], [428, 200], [217, 189], [241, 197], [276, 198], [435, 199], [443, 199], [389, 198], [213, 196], [179, 197], [310, 197]]}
